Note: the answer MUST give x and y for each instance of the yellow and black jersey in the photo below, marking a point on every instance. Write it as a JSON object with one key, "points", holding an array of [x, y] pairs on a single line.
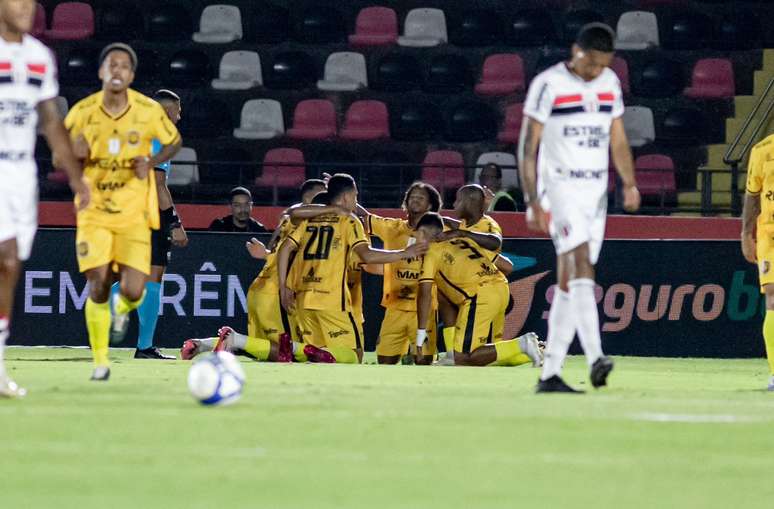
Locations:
{"points": [[485, 225], [267, 280], [760, 180]]}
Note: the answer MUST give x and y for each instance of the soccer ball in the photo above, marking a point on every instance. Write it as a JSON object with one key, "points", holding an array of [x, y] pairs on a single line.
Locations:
{"points": [[216, 379]]}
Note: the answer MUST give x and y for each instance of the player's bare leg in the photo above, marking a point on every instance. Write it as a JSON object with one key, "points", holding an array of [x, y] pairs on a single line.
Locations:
{"points": [[10, 266], [768, 331], [447, 313]]}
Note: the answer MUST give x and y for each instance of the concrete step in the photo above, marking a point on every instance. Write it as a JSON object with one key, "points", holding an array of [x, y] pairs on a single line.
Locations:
{"points": [[721, 181], [768, 59], [693, 199], [761, 79]]}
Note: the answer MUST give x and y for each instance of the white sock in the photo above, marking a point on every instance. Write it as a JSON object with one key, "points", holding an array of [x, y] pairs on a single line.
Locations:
{"points": [[561, 331], [584, 306], [4, 333], [297, 346], [238, 340]]}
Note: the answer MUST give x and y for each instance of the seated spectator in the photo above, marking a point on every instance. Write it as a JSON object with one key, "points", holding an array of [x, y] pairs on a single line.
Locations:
{"points": [[491, 177], [239, 220]]}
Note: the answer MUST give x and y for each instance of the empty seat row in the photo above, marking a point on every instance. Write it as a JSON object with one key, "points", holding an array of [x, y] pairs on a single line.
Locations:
{"points": [[69, 21], [679, 126]]}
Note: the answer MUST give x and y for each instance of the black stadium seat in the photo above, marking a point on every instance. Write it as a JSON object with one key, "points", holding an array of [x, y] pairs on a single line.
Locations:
{"points": [[384, 184], [319, 25], [574, 20], [684, 126], [396, 72], [415, 120], [686, 30], [189, 67], [267, 23], [551, 56], [659, 78], [471, 121], [479, 27], [531, 27], [147, 66], [737, 31], [169, 22], [293, 70], [121, 21], [205, 118], [325, 159], [79, 67], [224, 168], [447, 74]]}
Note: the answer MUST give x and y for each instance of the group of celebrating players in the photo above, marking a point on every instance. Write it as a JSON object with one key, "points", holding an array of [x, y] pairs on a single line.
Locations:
{"points": [[444, 279]]}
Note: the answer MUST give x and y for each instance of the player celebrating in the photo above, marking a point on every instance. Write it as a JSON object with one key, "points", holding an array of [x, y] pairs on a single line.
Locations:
{"points": [[28, 89], [573, 113], [758, 214], [113, 131]]}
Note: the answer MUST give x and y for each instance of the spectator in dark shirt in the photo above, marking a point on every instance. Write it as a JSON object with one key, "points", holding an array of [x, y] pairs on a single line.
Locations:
{"points": [[491, 177], [239, 220]]}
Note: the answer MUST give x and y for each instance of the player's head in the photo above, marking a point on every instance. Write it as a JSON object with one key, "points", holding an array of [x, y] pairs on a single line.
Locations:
{"points": [[470, 201], [428, 226], [420, 198], [170, 101], [17, 15], [342, 191], [491, 176], [592, 50], [321, 198], [310, 188], [117, 63], [241, 203]]}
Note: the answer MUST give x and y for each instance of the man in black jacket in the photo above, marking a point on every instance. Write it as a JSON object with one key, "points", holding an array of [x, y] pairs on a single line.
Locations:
{"points": [[239, 220]]}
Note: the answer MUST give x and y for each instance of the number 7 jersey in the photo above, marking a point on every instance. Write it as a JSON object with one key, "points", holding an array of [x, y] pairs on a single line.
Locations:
{"points": [[318, 273]]}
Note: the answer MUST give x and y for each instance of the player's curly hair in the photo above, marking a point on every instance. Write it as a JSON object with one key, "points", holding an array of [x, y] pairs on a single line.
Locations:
{"points": [[432, 195]]}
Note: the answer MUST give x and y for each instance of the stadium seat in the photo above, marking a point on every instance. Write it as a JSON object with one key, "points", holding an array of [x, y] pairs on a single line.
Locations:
{"points": [[184, 169], [656, 176], [313, 119], [120, 21], [39, 24], [712, 78], [283, 168], [333, 158], [366, 120], [219, 24], [386, 181], [471, 121], [415, 120], [684, 126], [510, 175], [639, 125], [205, 117], [480, 27], [188, 67], [637, 30], [261, 119], [574, 20], [737, 31], [531, 27], [71, 21], [268, 23], [78, 67], [514, 115], [224, 166], [169, 22], [290, 70], [659, 78], [147, 67], [687, 30], [551, 56], [345, 71], [397, 72], [447, 74], [621, 69], [375, 26], [444, 170], [501, 74], [239, 70], [319, 25], [424, 28]]}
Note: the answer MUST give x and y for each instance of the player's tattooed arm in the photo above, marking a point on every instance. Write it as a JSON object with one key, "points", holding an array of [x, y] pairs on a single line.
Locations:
{"points": [[750, 212], [62, 150], [529, 141], [488, 241], [300, 212], [624, 163], [370, 255], [287, 296]]}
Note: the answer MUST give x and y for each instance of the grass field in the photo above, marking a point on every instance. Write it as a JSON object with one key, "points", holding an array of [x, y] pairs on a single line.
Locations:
{"points": [[667, 433]]}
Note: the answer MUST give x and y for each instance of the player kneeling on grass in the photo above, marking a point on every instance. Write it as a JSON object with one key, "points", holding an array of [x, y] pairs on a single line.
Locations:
{"points": [[472, 283]]}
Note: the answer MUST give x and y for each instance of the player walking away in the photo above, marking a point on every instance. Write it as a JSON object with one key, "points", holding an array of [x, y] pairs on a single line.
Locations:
{"points": [[28, 89], [316, 282], [573, 112], [171, 232], [113, 131], [470, 281], [758, 233]]}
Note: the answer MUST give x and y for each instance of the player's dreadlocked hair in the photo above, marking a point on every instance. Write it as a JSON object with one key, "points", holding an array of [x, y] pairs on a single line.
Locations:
{"points": [[432, 195]]}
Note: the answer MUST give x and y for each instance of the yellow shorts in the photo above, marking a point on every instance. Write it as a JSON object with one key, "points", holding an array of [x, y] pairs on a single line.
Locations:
{"points": [[765, 252], [330, 328], [480, 320], [399, 330], [266, 318], [96, 246]]}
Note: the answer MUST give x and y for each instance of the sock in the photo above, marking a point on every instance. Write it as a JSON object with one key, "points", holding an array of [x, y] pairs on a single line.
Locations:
{"points": [[584, 306], [768, 336], [509, 354], [148, 313], [561, 330], [448, 338], [298, 352], [4, 333], [98, 325], [125, 305], [239, 341], [343, 354], [207, 344], [258, 348]]}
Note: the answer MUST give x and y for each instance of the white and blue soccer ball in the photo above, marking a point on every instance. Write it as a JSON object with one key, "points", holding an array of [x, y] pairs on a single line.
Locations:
{"points": [[216, 379]]}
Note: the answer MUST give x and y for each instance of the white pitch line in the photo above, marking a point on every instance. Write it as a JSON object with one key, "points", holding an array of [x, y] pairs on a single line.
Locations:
{"points": [[696, 418]]}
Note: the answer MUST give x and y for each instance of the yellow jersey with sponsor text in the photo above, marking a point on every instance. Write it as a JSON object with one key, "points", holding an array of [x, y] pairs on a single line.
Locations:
{"points": [[760, 181]]}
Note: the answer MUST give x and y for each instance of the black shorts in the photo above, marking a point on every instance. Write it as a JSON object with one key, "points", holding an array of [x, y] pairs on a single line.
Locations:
{"points": [[161, 245]]}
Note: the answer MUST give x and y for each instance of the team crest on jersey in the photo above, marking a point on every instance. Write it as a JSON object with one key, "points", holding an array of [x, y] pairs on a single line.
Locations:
{"points": [[35, 73], [133, 138], [448, 258], [765, 267], [83, 249]]}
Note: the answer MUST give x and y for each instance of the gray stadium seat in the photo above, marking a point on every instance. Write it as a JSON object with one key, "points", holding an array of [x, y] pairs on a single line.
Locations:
{"points": [[183, 174], [636, 30], [510, 175], [639, 125], [219, 24], [424, 28], [345, 71], [239, 70], [261, 119]]}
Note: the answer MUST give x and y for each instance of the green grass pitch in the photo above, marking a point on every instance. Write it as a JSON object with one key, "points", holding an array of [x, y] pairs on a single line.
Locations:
{"points": [[682, 433]]}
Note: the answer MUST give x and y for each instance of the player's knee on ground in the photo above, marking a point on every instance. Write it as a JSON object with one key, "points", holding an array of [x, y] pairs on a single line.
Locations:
{"points": [[388, 359]]}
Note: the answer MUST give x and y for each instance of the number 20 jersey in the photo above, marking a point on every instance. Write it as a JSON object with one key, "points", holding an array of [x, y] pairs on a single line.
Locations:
{"points": [[318, 274]]}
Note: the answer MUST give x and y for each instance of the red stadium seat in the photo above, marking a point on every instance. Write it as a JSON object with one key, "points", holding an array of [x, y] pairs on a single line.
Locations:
{"points": [[39, 25], [514, 114], [375, 26], [502, 74], [283, 168], [621, 69], [71, 21], [712, 78], [655, 175], [366, 120], [444, 169], [313, 119]]}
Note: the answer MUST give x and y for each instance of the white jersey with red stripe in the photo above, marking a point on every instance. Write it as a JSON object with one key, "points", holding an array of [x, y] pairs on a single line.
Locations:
{"points": [[576, 117]]}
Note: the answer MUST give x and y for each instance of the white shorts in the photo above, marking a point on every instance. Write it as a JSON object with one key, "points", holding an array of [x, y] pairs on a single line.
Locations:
{"points": [[19, 211], [575, 222]]}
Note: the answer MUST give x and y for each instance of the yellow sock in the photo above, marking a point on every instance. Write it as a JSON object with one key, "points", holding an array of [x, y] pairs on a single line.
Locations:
{"points": [[448, 338], [125, 305], [768, 337], [299, 354], [343, 354], [258, 348], [509, 354], [98, 325]]}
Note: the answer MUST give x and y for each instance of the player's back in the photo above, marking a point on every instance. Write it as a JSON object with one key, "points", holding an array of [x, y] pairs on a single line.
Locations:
{"points": [[267, 280], [486, 224], [760, 180]]}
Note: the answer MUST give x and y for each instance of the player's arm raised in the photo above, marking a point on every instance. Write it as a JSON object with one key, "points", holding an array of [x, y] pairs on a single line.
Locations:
{"points": [[300, 212], [370, 255], [488, 241], [287, 296], [62, 150], [624, 163], [529, 141]]}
